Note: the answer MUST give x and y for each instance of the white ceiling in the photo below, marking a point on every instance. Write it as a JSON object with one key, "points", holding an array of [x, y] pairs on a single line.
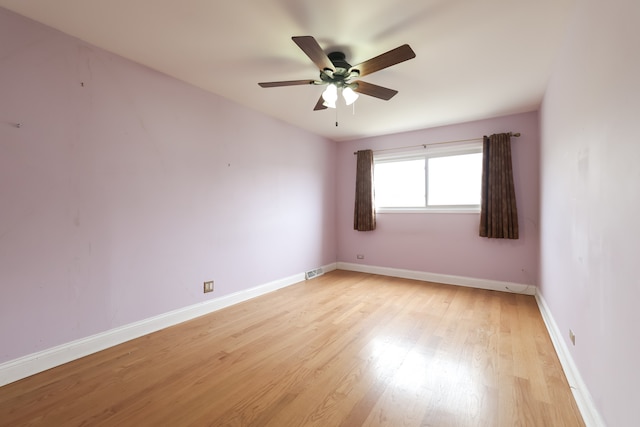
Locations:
{"points": [[475, 59]]}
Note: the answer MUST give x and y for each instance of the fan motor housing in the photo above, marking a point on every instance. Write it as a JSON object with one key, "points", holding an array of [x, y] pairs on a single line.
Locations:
{"points": [[341, 74], [338, 60]]}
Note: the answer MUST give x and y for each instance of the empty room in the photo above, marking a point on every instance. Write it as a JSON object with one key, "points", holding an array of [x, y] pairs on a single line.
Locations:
{"points": [[294, 213]]}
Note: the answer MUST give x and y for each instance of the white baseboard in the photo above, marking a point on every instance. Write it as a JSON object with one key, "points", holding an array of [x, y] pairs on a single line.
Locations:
{"points": [[581, 394], [23, 367], [31, 364], [494, 285]]}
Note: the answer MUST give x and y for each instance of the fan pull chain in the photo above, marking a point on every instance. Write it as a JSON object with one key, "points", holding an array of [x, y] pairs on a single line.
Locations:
{"points": [[336, 115]]}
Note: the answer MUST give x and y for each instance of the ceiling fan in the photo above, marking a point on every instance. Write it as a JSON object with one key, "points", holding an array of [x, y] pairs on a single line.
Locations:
{"points": [[336, 72]]}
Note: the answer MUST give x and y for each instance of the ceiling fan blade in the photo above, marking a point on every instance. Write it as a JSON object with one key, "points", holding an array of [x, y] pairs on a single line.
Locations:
{"points": [[320, 104], [374, 90], [287, 83], [312, 49], [387, 59]]}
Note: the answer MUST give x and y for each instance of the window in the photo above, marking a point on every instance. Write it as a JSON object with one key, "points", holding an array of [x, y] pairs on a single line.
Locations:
{"points": [[437, 177]]}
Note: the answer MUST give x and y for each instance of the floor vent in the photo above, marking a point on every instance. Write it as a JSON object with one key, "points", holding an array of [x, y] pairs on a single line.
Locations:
{"points": [[313, 273]]}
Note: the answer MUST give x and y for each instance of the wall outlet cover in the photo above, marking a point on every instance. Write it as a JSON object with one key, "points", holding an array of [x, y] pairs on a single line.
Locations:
{"points": [[208, 286]]}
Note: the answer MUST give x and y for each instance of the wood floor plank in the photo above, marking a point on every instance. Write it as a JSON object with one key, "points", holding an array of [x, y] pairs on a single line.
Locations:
{"points": [[344, 349]]}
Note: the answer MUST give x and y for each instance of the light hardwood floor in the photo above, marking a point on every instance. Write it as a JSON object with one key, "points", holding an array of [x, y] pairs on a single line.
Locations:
{"points": [[344, 349]]}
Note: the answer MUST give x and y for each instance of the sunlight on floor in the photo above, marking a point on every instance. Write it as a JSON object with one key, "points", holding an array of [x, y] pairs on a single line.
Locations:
{"points": [[410, 371]]}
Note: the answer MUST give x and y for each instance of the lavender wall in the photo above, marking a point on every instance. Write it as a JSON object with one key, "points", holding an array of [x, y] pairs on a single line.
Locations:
{"points": [[590, 231], [124, 189], [447, 243]]}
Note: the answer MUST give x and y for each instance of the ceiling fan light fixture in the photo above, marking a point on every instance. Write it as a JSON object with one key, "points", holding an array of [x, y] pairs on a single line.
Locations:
{"points": [[329, 104], [349, 95], [337, 73], [330, 96]]}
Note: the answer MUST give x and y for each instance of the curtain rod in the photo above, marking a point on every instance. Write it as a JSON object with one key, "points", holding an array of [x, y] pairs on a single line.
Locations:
{"points": [[513, 134]]}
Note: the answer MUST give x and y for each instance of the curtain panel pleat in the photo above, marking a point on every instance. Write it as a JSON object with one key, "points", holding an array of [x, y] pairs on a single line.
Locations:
{"points": [[364, 217], [498, 212]]}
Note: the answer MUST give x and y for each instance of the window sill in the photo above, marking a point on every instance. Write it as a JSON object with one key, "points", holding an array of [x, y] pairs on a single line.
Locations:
{"points": [[446, 210]]}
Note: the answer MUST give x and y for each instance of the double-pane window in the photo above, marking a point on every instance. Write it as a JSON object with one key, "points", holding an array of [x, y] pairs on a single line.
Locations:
{"points": [[431, 178]]}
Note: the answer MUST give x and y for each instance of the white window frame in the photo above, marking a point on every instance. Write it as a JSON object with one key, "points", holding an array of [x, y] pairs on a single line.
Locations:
{"points": [[426, 152]]}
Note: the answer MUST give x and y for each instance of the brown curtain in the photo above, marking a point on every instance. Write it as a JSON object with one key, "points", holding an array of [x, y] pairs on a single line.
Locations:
{"points": [[364, 216], [498, 212]]}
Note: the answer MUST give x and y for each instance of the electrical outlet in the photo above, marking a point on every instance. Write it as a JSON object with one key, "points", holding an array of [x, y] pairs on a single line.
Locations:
{"points": [[360, 256], [208, 286], [572, 337]]}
